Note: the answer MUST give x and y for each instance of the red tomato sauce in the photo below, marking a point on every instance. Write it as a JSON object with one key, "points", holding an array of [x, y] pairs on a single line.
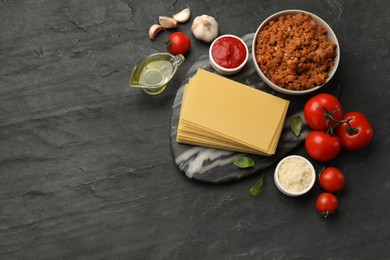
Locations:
{"points": [[228, 52]]}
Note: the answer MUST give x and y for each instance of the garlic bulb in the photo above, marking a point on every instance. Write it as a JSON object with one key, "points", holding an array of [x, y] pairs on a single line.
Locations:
{"points": [[183, 15], [205, 28]]}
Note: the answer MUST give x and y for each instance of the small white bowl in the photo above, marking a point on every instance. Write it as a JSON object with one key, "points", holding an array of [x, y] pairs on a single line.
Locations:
{"points": [[330, 34], [223, 70], [284, 189]]}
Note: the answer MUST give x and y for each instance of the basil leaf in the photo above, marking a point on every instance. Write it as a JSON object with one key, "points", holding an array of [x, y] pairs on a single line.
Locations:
{"points": [[244, 162], [296, 124], [258, 188]]}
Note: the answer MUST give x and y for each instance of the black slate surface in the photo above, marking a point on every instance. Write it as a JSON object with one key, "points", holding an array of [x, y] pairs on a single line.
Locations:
{"points": [[86, 170]]}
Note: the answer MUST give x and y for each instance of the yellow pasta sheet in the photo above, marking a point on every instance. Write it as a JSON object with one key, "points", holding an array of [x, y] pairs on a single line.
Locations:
{"points": [[221, 113]]}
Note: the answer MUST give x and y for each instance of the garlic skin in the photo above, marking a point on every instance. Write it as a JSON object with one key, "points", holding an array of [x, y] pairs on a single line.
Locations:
{"points": [[182, 16], [205, 28], [167, 22], [154, 30]]}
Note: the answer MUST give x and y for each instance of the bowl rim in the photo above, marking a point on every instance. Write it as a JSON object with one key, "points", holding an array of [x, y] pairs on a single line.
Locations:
{"points": [[228, 70], [330, 34], [293, 193]]}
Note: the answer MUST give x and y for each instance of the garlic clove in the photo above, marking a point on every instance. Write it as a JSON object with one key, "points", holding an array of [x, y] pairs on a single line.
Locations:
{"points": [[154, 30], [182, 16], [167, 22]]}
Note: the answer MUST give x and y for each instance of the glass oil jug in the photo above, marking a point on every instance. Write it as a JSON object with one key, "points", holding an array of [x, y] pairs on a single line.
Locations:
{"points": [[153, 73]]}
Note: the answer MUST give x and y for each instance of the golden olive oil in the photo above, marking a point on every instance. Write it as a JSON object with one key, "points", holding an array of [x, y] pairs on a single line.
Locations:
{"points": [[154, 73]]}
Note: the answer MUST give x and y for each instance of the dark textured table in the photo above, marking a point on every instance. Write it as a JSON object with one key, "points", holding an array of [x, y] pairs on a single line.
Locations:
{"points": [[86, 170]]}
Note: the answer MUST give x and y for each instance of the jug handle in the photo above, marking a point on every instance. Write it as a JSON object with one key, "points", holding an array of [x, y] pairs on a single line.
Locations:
{"points": [[177, 60]]}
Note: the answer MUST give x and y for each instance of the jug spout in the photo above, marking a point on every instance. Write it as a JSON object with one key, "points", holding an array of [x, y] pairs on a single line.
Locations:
{"points": [[177, 60], [153, 73]]}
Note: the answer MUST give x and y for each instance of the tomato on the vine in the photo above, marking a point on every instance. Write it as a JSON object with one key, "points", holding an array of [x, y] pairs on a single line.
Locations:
{"points": [[332, 179], [326, 204], [322, 146], [179, 43], [318, 107], [356, 131]]}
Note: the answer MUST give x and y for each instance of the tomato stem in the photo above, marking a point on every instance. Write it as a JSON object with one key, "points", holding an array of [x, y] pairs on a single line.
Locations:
{"points": [[351, 130], [326, 214], [168, 43], [320, 171], [329, 117]]}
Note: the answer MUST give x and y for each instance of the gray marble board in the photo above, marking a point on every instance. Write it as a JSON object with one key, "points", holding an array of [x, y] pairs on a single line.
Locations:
{"points": [[214, 165]]}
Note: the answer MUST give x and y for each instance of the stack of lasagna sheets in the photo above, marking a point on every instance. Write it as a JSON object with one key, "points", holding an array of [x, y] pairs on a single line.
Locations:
{"points": [[220, 113]]}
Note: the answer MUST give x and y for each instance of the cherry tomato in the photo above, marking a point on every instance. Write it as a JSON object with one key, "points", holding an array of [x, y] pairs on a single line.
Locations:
{"points": [[322, 146], [326, 204], [332, 179], [357, 133], [179, 43], [316, 109]]}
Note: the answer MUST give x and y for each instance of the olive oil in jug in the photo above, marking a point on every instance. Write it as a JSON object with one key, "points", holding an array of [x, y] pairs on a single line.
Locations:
{"points": [[154, 72]]}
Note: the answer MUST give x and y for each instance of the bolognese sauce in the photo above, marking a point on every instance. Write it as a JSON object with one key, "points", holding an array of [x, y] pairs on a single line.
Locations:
{"points": [[294, 52]]}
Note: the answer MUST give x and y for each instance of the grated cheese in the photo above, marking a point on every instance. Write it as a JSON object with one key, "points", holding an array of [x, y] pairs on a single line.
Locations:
{"points": [[295, 174]]}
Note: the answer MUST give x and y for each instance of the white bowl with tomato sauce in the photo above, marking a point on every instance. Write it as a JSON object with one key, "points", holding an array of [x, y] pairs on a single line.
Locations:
{"points": [[286, 84], [228, 54]]}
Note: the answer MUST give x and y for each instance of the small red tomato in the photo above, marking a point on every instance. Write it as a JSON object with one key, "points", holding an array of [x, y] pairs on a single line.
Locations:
{"points": [[356, 133], [332, 179], [179, 43], [322, 146], [326, 204], [318, 107]]}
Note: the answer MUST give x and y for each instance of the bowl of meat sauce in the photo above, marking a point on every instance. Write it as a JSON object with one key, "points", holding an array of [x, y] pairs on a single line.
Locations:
{"points": [[295, 52], [228, 54]]}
